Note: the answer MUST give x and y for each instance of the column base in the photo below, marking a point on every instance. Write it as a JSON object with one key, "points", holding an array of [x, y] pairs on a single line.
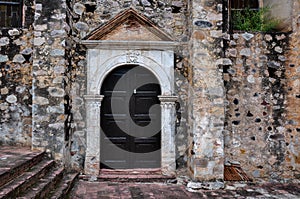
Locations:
{"points": [[92, 166]]}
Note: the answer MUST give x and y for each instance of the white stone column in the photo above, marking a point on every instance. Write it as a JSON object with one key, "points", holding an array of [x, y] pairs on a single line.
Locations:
{"points": [[92, 158], [168, 119]]}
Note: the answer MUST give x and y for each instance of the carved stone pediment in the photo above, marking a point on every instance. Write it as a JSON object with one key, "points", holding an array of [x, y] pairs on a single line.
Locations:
{"points": [[129, 26]]}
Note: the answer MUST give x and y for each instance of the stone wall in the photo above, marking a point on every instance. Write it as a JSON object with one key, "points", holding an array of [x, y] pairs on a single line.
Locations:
{"points": [[292, 103], [15, 82], [49, 81], [255, 96], [206, 91], [260, 77], [15, 101]]}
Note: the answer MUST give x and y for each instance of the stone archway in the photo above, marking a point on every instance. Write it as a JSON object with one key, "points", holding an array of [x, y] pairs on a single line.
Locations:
{"points": [[130, 38], [101, 61]]}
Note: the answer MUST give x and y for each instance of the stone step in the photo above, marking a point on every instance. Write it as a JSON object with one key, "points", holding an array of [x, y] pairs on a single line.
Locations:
{"points": [[64, 187], [43, 187], [130, 171], [131, 175], [28, 174], [14, 164], [26, 179], [136, 178]]}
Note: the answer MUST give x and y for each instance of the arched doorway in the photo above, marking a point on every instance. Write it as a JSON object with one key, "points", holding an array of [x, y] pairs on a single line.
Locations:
{"points": [[103, 57], [130, 119]]}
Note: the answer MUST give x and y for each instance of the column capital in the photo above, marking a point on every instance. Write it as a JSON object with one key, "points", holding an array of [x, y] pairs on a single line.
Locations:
{"points": [[93, 101], [167, 98], [167, 101]]}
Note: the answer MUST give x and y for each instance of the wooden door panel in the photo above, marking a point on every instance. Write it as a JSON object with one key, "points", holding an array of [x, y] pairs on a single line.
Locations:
{"points": [[147, 160], [147, 144], [141, 78], [119, 105], [135, 144], [120, 142], [142, 122], [115, 164], [115, 126], [116, 159], [113, 79], [148, 131], [143, 104]]}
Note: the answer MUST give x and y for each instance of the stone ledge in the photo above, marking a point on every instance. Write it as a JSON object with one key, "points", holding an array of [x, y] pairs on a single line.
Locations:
{"points": [[130, 45]]}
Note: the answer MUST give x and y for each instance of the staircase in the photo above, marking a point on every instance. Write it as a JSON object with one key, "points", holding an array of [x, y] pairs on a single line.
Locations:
{"points": [[25, 174]]}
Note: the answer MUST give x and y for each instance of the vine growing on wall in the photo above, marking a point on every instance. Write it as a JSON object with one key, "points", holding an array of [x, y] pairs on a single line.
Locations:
{"points": [[254, 20]]}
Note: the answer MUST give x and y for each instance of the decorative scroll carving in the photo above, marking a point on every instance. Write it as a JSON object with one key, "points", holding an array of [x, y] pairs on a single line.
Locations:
{"points": [[132, 56], [167, 101]]}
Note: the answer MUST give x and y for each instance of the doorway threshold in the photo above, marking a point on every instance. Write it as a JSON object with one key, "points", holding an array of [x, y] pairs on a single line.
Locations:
{"points": [[134, 175]]}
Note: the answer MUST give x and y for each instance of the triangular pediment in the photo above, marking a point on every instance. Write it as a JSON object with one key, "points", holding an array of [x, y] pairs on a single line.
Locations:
{"points": [[129, 25]]}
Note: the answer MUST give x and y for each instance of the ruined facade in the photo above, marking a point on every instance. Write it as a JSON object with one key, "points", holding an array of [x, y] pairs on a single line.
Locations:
{"points": [[227, 96]]}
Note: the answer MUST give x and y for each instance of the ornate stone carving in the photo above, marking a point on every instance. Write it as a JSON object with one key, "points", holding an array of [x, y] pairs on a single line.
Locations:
{"points": [[132, 56], [93, 101], [167, 101]]}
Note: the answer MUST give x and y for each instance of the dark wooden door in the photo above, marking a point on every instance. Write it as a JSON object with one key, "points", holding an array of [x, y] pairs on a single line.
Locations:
{"points": [[130, 119]]}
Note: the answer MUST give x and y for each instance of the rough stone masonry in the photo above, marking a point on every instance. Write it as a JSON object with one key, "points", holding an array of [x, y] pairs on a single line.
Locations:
{"points": [[238, 92]]}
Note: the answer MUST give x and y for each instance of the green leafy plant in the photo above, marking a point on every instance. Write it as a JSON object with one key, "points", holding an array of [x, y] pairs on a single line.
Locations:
{"points": [[253, 20]]}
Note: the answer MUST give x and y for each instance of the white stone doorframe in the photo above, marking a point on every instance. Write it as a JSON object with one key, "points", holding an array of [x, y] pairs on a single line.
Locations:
{"points": [[102, 58]]}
